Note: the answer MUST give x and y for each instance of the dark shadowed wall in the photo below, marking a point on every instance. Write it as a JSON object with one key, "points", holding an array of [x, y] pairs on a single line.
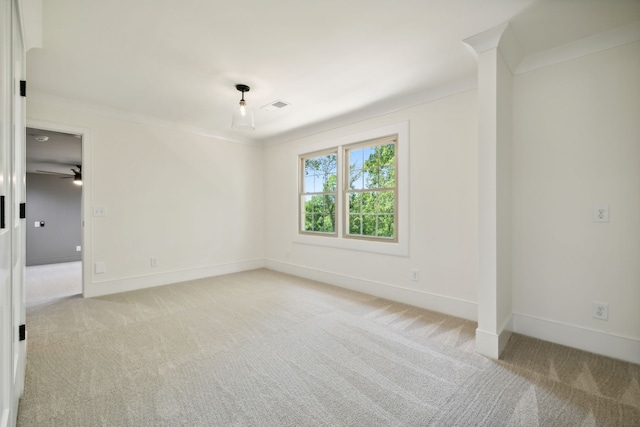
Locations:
{"points": [[57, 202]]}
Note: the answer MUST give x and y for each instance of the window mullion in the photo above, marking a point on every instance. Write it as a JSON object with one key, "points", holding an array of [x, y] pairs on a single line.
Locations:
{"points": [[340, 210]]}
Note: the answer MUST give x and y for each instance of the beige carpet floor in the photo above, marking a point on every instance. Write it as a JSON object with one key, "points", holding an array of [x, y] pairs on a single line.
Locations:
{"points": [[261, 348], [48, 281]]}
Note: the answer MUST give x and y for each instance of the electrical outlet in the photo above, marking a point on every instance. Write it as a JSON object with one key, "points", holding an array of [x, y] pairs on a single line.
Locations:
{"points": [[601, 213], [154, 262], [415, 275], [78, 248], [600, 310], [100, 267], [99, 211]]}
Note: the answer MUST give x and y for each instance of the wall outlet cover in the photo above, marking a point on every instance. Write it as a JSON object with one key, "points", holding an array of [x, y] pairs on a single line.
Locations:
{"points": [[99, 211], [100, 267], [600, 310], [601, 213]]}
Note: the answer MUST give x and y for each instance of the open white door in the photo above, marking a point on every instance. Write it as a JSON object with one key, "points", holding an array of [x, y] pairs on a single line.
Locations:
{"points": [[6, 217], [12, 193], [18, 234]]}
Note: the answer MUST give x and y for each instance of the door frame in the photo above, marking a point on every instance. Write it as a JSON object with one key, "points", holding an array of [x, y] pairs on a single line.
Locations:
{"points": [[86, 188]]}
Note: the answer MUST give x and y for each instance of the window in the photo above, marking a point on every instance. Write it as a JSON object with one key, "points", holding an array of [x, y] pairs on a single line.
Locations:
{"points": [[371, 189], [319, 193], [353, 192]]}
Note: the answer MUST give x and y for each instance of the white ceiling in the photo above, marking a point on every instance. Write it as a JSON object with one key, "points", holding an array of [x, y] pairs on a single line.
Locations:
{"points": [[178, 60]]}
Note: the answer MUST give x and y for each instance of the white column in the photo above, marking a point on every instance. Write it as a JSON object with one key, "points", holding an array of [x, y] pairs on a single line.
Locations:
{"points": [[494, 186]]}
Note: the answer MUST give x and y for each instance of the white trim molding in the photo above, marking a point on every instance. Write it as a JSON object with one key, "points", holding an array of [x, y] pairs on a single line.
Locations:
{"points": [[440, 303], [492, 345], [586, 46], [86, 189], [594, 341], [126, 284], [58, 101]]}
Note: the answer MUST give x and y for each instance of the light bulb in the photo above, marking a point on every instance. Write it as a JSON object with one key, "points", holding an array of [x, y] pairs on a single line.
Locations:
{"points": [[243, 108]]}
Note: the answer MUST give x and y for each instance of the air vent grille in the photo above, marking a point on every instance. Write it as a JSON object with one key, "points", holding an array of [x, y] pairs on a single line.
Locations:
{"points": [[275, 105]]}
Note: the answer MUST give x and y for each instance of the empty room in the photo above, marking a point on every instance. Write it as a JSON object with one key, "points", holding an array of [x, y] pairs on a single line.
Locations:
{"points": [[322, 213]]}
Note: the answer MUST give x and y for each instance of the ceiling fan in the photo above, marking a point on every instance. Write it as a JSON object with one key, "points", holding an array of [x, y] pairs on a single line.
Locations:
{"points": [[77, 174]]}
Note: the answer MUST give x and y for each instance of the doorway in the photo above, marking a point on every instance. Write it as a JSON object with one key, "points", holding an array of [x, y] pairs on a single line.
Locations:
{"points": [[54, 223]]}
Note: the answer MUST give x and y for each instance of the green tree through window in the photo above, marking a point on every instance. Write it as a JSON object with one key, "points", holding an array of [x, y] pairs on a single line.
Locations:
{"points": [[372, 191], [366, 183], [320, 183]]}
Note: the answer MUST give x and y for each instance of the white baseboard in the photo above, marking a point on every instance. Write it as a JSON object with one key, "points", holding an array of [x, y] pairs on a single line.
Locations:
{"points": [[491, 344], [615, 346], [447, 305], [166, 278]]}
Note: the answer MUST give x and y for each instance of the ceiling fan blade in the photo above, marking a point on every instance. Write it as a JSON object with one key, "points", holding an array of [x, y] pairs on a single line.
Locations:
{"points": [[66, 175]]}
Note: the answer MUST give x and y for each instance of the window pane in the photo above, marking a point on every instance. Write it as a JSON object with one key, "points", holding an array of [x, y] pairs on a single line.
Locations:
{"points": [[330, 182], [318, 204], [328, 204], [385, 226], [370, 179], [368, 153], [308, 167], [368, 202], [386, 202], [387, 176], [308, 203], [355, 224], [387, 154], [356, 179], [355, 202], [356, 159], [308, 222], [368, 225], [328, 223], [308, 184], [320, 174]]}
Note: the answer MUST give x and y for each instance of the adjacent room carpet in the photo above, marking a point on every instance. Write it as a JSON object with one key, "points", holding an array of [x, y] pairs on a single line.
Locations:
{"points": [[262, 348], [44, 282]]}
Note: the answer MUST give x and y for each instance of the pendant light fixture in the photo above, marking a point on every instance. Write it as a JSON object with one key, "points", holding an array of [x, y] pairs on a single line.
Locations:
{"points": [[242, 115]]}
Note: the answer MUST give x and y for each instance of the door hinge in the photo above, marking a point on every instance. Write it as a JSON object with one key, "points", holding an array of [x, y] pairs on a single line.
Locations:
{"points": [[22, 332], [23, 88], [2, 223], [23, 210]]}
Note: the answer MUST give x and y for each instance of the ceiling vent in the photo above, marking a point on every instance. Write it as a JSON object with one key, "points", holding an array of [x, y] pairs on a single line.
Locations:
{"points": [[275, 105]]}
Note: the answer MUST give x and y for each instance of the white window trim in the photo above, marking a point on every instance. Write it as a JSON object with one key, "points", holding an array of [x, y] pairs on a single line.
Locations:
{"points": [[399, 248]]}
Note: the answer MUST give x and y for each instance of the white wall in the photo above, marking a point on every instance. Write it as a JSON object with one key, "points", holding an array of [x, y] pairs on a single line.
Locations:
{"points": [[576, 145], [190, 201], [443, 213], [203, 206]]}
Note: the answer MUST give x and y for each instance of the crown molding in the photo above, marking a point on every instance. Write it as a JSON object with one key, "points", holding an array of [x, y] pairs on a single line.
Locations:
{"points": [[377, 109], [53, 100], [486, 40], [586, 46]]}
